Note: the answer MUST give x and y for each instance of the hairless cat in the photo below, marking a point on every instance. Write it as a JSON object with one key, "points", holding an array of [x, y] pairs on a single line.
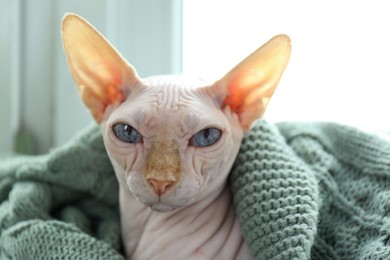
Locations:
{"points": [[172, 141]]}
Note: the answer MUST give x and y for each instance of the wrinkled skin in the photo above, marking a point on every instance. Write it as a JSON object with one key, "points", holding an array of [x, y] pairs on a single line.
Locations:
{"points": [[173, 114]]}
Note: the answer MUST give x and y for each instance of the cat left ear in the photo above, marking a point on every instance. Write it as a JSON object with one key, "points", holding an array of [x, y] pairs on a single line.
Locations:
{"points": [[248, 87], [101, 74]]}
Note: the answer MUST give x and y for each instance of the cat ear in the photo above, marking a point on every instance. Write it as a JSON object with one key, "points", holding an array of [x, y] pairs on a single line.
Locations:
{"points": [[97, 68], [248, 87]]}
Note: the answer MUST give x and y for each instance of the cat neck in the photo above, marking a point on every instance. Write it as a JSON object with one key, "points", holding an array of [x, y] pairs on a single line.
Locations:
{"points": [[207, 229]]}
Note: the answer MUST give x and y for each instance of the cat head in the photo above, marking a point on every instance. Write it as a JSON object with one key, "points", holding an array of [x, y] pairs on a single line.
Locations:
{"points": [[172, 140]]}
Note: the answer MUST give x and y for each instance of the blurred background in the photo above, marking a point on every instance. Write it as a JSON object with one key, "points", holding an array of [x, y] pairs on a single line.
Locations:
{"points": [[339, 68]]}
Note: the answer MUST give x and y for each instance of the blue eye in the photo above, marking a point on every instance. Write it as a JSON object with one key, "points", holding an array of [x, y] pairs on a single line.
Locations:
{"points": [[205, 137], [127, 133]]}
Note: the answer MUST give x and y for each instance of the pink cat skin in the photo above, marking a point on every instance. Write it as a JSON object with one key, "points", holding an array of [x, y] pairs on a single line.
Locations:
{"points": [[172, 142]]}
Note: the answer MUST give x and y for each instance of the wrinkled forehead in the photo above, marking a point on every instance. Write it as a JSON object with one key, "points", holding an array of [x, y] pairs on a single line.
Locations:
{"points": [[172, 94], [181, 81], [170, 102]]}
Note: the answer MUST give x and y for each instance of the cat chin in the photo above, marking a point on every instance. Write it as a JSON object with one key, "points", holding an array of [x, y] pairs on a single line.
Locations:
{"points": [[161, 207], [165, 206]]}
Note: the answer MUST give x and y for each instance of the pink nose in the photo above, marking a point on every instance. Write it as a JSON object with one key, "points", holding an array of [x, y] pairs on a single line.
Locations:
{"points": [[160, 186]]}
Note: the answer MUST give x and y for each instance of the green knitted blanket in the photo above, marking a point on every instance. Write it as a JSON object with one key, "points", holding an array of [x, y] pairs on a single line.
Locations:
{"points": [[301, 190]]}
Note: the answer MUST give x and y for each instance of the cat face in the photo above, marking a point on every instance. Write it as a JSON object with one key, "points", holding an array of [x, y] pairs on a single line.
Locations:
{"points": [[170, 140]]}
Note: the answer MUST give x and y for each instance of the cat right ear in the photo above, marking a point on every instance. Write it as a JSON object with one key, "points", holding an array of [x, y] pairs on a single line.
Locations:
{"points": [[248, 87], [97, 68]]}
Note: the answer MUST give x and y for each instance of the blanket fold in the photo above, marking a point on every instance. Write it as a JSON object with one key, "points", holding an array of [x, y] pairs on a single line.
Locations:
{"points": [[62, 205], [301, 191]]}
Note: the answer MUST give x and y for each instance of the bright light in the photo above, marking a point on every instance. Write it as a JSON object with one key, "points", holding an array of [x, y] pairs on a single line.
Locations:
{"points": [[340, 64]]}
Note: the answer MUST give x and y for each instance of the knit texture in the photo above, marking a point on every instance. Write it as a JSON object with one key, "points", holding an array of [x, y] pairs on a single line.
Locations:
{"points": [[301, 191], [62, 205], [313, 190]]}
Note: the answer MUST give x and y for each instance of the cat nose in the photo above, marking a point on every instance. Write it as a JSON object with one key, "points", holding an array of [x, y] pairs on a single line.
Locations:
{"points": [[160, 186]]}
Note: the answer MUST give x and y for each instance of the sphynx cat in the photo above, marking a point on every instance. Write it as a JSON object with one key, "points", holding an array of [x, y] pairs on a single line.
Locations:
{"points": [[172, 142]]}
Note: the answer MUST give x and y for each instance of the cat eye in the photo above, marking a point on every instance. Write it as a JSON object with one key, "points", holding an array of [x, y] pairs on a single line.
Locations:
{"points": [[127, 133], [205, 137]]}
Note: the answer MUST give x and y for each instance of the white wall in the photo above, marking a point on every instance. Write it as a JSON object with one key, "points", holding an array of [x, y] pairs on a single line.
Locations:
{"points": [[339, 68], [5, 76], [46, 107]]}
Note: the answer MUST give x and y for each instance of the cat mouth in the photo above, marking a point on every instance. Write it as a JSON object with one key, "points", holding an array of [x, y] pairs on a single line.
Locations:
{"points": [[181, 196]]}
